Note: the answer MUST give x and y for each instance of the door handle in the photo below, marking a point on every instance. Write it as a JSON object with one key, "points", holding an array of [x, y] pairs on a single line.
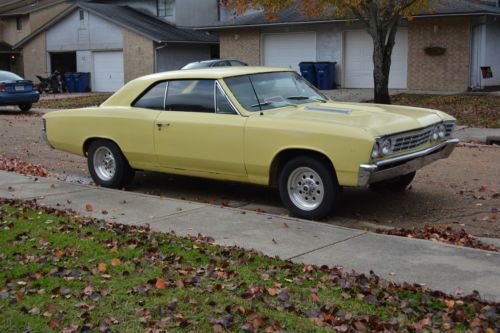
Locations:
{"points": [[161, 125]]}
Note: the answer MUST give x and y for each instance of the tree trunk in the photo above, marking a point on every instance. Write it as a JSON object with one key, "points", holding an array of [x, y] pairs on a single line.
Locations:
{"points": [[381, 70], [383, 44]]}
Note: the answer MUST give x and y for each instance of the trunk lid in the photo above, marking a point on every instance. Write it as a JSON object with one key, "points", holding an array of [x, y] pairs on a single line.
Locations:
{"points": [[19, 86]]}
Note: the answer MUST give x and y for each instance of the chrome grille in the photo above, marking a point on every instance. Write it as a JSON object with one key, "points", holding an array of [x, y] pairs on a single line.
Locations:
{"points": [[412, 140]]}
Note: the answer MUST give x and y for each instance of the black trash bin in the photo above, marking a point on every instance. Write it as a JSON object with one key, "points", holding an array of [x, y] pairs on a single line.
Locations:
{"points": [[308, 71], [325, 75]]}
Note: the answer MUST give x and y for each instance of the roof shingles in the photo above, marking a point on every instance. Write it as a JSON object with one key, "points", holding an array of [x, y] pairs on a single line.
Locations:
{"points": [[291, 15]]}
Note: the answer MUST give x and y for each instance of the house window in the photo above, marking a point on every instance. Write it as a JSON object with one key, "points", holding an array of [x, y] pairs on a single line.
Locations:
{"points": [[82, 15], [19, 23], [165, 8]]}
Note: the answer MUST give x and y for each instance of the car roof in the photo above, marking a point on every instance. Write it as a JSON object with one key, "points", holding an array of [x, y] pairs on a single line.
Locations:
{"points": [[126, 95], [212, 72]]}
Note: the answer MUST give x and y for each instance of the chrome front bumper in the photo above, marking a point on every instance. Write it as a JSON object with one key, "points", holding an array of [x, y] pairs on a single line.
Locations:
{"points": [[403, 164]]}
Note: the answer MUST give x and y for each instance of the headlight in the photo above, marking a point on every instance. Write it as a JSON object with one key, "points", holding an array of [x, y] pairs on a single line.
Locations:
{"points": [[386, 147], [441, 131], [376, 150], [435, 133]]}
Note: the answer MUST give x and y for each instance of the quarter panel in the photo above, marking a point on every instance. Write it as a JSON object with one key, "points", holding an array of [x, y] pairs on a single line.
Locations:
{"points": [[130, 128]]}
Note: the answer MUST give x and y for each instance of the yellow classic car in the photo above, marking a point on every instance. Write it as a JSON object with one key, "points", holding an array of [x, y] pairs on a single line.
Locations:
{"points": [[257, 125]]}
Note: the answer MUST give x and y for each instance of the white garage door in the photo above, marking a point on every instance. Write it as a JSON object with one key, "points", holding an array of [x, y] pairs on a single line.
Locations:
{"points": [[359, 63], [108, 71], [289, 49]]}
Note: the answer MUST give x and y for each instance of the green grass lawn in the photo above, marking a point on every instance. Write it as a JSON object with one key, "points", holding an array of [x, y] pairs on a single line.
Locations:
{"points": [[62, 272], [470, 110]]}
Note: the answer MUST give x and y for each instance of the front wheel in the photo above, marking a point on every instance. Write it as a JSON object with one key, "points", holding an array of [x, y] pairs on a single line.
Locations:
{"points": [[107, 165], [25, 107], [309, 188]]}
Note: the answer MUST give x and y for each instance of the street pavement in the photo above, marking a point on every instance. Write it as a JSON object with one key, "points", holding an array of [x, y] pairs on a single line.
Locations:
{"points": [[435, 265]]}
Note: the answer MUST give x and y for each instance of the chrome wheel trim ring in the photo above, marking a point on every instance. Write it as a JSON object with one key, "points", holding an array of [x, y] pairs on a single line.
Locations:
{"points": [[305, 188], [104, 163]]}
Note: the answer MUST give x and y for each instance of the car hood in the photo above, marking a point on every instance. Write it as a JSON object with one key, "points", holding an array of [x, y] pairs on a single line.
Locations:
{"points": [[376, 119]]}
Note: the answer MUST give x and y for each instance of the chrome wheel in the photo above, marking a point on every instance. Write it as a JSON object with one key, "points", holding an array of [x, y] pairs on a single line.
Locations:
{"points": [[305, 188], [104, 163]]}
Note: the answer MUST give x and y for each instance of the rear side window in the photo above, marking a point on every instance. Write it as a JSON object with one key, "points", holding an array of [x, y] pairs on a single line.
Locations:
{"points": [[190, 96], [154, 98]]}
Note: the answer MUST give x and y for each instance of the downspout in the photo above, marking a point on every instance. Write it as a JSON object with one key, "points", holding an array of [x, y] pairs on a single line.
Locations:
{"points": [[156, 55]]}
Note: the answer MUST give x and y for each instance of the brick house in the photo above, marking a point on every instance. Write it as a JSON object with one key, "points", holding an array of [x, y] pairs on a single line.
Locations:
{"points": [[18, 19], [468, 30], [117, 41]]}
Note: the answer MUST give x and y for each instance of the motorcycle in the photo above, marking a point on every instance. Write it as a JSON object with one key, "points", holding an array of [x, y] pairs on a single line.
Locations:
{"points": [[51, 84]]}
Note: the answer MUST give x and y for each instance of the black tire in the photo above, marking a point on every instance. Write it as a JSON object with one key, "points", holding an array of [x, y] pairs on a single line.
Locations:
{"points": [[327, 178], [398, 184], [123, 174], [25, 107]]}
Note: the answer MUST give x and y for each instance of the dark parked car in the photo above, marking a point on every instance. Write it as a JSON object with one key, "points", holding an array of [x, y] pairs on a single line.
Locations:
{"points": [[14, 90], [214, 63]]}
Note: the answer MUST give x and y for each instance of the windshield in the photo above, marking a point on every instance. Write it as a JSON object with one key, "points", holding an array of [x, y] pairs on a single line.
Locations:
{"points": [[266, 91], [8, 76]]}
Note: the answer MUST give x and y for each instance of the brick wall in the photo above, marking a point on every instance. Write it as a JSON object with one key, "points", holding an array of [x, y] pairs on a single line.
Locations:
{"points": [[447, 72], [243, 44], [35, 58], [138, 55]]}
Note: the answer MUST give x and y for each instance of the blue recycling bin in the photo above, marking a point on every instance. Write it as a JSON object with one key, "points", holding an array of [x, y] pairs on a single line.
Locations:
{"points": [[82, 83], [325, 75], [308, 71], [70, 82]]}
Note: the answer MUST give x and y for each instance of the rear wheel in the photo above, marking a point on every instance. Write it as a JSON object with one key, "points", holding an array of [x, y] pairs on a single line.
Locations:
{"points": [[107, 165], [308, 188], [25, 107], [398, 184]]}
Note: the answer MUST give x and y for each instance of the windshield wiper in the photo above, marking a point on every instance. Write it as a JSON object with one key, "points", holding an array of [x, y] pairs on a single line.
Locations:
{"points": [[269, 103], [261, 104], [307, 97]]}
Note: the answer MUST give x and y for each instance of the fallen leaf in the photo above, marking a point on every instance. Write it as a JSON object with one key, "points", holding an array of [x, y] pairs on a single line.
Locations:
{"points": [[285, 225], [89, 207], [102, 267], [54, 323], [116, 262], [272, 291], [315, 298], [161, 284]]}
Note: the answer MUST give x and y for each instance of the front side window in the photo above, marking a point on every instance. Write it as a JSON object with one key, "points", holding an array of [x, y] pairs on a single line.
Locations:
{"points": [[222, 104], [190, 96], [154, 98], [165, 8], [272, 90]]}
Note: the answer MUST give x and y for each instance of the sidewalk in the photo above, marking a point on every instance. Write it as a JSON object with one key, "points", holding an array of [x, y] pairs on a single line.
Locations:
{"points": [[438, 266]]}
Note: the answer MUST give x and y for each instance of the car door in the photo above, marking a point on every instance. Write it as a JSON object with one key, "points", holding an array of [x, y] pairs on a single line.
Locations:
{"points": [[191, 135]]}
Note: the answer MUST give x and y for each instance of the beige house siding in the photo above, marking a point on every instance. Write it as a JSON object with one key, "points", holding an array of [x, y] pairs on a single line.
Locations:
{"points": [[35, 57], [10, 33], [41, 17], [241, 44], [138, 55], [447, 72]]}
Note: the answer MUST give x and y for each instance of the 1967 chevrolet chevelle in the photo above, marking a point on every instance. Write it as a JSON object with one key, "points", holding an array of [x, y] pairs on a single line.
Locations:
{"points": [[256, 125]]}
